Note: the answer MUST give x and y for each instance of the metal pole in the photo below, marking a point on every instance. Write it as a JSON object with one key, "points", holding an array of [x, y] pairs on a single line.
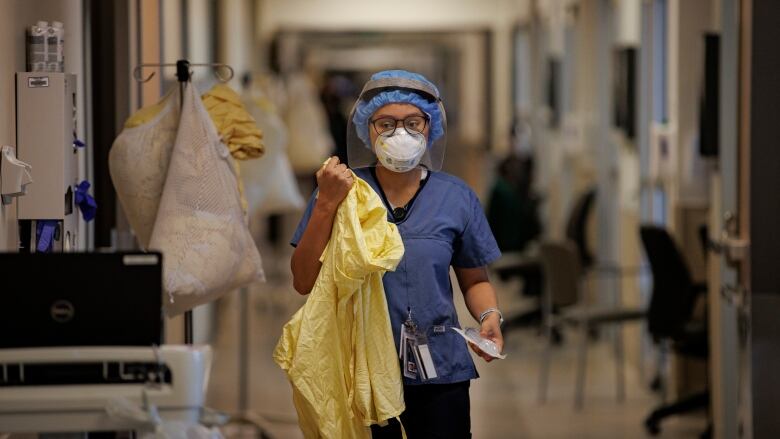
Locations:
{"points": [[243, 351], [183, 76]]}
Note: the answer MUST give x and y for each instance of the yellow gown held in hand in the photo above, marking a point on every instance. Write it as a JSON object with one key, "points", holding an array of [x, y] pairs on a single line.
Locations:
{"points": [[338, 349]]}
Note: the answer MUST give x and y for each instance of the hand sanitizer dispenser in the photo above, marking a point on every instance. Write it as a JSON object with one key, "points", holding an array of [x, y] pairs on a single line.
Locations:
{"points": [[45, 139], [15, 174]]}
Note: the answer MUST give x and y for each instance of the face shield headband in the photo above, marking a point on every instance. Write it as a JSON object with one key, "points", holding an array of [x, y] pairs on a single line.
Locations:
{"points": [[425, 90], [388, 90]]}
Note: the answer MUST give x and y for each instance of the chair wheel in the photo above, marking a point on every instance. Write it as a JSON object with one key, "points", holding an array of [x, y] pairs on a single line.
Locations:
{"points": [[652, 427], [557, 337], [707, 434], [657, 384]]}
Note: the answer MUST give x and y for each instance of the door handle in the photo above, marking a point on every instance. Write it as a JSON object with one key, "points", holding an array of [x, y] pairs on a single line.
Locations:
{"points": [[739, 297], [733, 248], [736, 295]]}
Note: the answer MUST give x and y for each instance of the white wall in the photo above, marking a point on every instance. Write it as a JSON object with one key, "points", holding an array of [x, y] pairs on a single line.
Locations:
{"points": [[200, 31], [628, 25], [235, 40], [688, 21], [499, 16], [15, 16]]}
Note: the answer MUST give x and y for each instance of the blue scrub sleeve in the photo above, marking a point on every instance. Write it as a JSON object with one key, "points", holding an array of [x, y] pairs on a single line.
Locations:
{"points": [[476, 246], [304, 220]]}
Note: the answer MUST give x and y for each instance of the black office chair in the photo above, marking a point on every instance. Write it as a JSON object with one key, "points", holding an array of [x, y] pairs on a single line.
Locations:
{"points": [[577, 226], [530, 270], [670, 316]]}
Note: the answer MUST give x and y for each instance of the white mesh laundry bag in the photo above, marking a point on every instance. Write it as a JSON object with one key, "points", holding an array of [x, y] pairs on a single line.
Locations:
{"points": [[269, 184], [310, 139], [201, 229], [138, 162]]}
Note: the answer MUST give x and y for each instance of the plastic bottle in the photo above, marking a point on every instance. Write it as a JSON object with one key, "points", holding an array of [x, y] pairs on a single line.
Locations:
{"points": [[55, 39], [36, 47]]}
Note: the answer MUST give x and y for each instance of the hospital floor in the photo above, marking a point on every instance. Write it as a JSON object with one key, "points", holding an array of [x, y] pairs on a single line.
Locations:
{"points": [[503, 401]]}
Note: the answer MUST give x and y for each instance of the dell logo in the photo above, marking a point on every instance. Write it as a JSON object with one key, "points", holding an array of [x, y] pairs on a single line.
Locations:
{"points": [[62, 311]]}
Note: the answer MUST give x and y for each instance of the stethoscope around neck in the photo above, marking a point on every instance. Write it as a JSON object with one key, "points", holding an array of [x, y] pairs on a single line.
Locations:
{"points": [[399, 213]]}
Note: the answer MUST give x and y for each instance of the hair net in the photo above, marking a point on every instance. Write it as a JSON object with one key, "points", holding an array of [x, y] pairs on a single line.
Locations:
{"points": [[430, 106], [396, 87]]}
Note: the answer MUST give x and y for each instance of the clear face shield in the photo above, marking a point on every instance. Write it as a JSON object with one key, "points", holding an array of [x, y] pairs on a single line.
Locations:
{"points": [[368, 128]]}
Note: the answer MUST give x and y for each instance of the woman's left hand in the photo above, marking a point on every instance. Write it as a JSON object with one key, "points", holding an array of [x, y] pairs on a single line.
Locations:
{"points": [[490, 329]]}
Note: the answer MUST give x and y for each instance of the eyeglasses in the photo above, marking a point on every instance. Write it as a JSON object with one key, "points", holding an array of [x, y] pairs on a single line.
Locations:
{"points": [[387, 125]]}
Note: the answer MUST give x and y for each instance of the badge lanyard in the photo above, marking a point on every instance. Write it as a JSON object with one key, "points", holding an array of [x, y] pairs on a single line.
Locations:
{"points": [[415, 355]]}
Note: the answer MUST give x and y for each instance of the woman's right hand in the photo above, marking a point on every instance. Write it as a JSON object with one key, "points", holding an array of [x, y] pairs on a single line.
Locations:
{"points": [[334, 180]]}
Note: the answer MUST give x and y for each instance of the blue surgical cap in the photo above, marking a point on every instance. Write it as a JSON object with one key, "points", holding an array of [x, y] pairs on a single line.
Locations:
{"points": [[365, 109]]}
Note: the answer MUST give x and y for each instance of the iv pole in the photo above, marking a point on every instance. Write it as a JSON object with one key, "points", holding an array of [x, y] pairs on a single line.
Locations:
{"points": [[244, 417]]}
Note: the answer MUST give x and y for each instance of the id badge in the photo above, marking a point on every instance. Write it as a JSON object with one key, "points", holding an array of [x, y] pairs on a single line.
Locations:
{"points": [[423, 358], [407, 353]]}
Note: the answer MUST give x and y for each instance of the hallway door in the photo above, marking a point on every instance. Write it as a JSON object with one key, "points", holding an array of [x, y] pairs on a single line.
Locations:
{"points": [[727, 354], [745, 293], [759, 183]]}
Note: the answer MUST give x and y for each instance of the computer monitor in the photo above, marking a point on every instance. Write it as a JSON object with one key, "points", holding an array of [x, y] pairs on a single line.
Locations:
{"points": [[80, 299]]}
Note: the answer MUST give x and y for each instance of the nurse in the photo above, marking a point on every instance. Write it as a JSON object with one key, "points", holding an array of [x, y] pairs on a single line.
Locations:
{"points": [[396, 142]]}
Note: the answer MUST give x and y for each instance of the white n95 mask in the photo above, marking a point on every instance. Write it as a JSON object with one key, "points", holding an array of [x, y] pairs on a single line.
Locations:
{"points": [[401, 151]]}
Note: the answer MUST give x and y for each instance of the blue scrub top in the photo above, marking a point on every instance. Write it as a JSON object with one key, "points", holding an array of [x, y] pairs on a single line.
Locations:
{"points": [[445, 226]]}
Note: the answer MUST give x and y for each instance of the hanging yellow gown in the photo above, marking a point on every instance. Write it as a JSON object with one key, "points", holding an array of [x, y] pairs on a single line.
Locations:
{"points": [[235, 125], [338, 349]]}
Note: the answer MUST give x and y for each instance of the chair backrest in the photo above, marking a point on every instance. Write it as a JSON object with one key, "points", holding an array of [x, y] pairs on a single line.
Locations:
{"points": [[576, 226], [673, 298], [561, 268]]}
